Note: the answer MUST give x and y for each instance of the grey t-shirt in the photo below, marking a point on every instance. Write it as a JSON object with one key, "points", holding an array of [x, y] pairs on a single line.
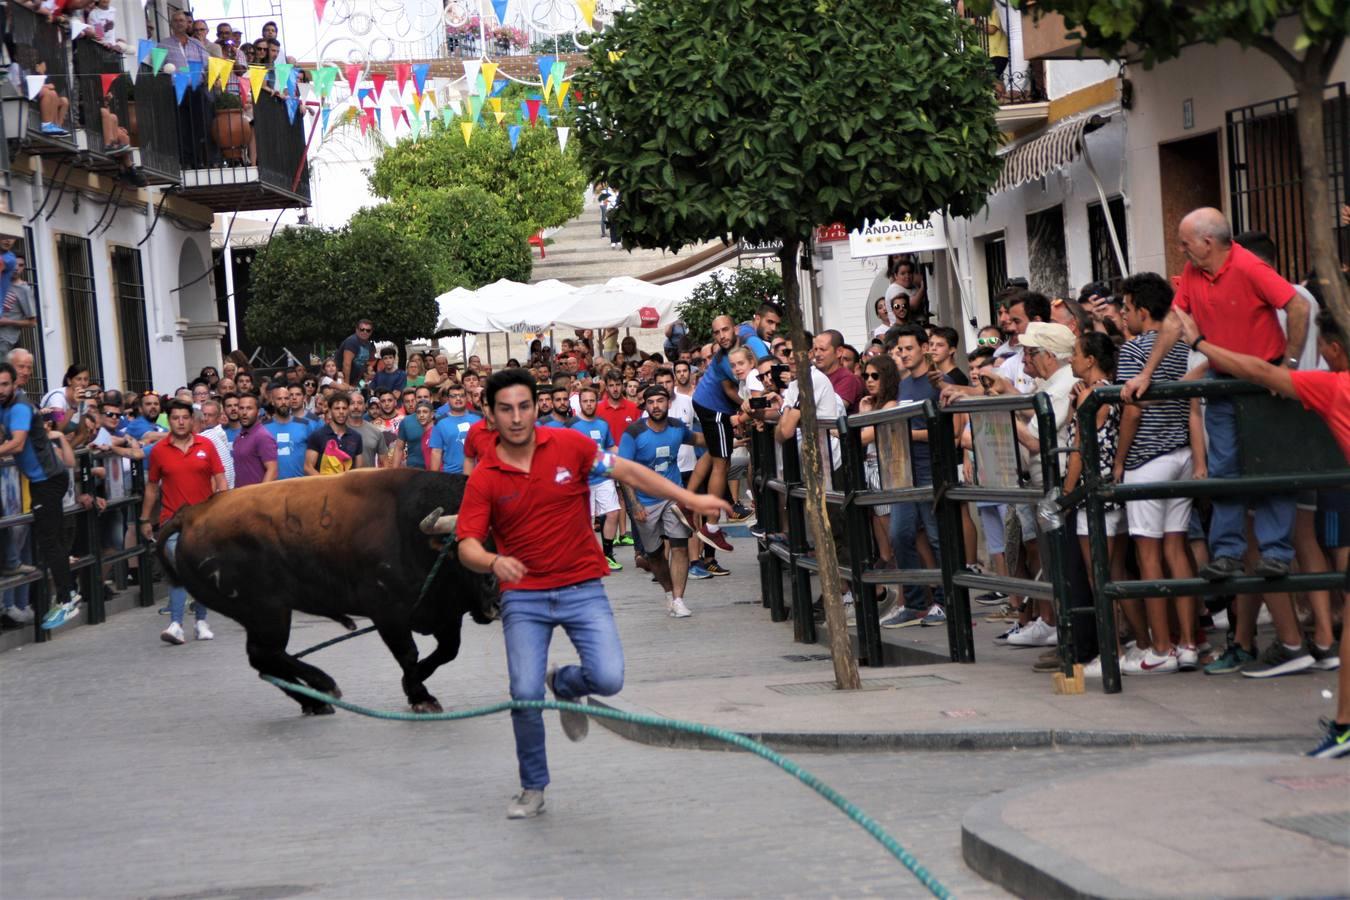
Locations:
{"points": [[374, 442], [18, 305]]}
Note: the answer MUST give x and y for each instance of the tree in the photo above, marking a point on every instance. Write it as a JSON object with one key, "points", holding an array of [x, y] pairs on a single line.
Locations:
{"points": [[311, 285], [737, 296], [762, 119], [539, 183], [1154, 31], [476, 240]]}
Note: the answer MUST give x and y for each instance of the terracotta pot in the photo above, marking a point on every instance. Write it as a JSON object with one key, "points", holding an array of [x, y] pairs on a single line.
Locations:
{"points": [[231, 132]]}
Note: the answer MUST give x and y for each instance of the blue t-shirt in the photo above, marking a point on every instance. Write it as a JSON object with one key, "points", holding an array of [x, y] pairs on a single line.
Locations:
{"points": [[19, 417], [7, 276], [362, 352], [410, 433], [550, 422], [656, 450], [389, 381], [710, 393], [140, 426], [598, 431], [919, 389], [291, 439], [231, 434], [448, 437]]}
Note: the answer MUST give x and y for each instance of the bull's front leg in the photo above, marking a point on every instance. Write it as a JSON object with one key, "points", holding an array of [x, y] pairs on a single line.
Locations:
{"points": [[447, 648], [398, 638]]}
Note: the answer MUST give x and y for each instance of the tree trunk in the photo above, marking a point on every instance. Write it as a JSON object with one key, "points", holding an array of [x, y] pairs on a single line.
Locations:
{"points": [[1321, 211], [817, 520]]}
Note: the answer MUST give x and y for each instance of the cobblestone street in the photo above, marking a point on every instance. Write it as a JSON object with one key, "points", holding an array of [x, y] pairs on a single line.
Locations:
{"points": [[135, 769]]}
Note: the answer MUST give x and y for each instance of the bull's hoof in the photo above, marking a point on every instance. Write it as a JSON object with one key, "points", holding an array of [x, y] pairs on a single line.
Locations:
{"points": [[335, 693], [427, 706], [320, 709]]}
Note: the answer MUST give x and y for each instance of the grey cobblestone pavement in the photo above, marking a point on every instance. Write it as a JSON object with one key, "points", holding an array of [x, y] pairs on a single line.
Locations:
{"points": [[130, 768]]}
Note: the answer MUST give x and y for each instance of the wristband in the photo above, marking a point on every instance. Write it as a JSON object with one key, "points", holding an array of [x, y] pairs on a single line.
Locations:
{"points": [[1195, 344]]}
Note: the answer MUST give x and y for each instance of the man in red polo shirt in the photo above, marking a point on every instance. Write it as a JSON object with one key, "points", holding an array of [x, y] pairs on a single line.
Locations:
{"points": [[531, 496], [185, 469], [1233, 295]]}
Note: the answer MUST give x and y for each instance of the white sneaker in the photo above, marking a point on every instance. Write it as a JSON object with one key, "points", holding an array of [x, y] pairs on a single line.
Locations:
{"points": [[20, 616], [1188, 658], [1035, 634], [1221, 620], [1093, 669], [1152, 664], [1007, 635], [678, 610], [204, 632], [173, 634]]}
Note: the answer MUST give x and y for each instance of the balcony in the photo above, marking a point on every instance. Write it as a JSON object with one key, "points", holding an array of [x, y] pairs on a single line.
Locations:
{"points": [[1019, 87], [271, 172]]}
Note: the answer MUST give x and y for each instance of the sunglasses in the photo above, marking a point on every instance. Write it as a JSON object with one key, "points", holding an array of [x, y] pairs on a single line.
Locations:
{"points": [[112, 412], [987, 341], [872, 376]]}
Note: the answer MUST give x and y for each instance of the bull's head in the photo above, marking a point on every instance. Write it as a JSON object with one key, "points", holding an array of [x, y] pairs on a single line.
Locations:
{"points": [[435, 523], [488, 607]]}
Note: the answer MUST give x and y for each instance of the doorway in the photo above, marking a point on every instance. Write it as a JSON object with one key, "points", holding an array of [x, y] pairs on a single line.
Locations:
{"points": [[1188, 176]]}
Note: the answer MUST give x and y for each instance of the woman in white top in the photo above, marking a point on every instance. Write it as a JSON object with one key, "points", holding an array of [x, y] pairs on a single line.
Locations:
{"points": [[883, 310], [881, 381]]}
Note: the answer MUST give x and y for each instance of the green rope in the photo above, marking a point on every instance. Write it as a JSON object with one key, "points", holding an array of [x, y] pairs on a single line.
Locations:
{"points": [[866, 822]]}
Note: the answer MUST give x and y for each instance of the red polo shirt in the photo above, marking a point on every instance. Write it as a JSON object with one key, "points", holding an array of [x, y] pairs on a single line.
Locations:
{"points": [[1235, 307], [1328, 395], [541, 517], [618, 418], [478, 440], [184, 477]]}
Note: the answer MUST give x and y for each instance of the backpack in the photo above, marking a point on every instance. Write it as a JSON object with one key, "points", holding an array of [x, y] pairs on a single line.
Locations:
{"points": [[47, 457]]}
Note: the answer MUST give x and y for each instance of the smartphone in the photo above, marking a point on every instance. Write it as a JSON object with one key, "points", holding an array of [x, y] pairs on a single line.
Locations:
{"points": [[928, 356], [759, 402], [779, 375]]}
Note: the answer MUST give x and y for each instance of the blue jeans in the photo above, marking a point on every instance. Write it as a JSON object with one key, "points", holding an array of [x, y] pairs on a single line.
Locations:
{"points": [[905, 521], [178, 595], [528, 620], [17, 550], [1228, 523]]}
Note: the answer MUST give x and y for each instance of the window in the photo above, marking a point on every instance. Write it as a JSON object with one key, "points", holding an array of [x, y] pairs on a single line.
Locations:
{"points": [[77, 283], [1265, 175], [1104, 264], [1047, 259], [126, 265], [995, 269], [30, 339]]}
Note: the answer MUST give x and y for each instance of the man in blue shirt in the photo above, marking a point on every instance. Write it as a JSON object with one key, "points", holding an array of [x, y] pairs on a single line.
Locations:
{"points": [[763, 326], [143, 427], [561, 414], [291, 436], [390, 375], [655, 442], [355, 352], [906, 518], [604, 498], [447, 438]]}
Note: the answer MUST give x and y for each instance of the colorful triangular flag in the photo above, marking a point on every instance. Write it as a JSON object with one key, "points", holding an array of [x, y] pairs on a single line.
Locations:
{"points": [[107, 81], [466, 128], [143, 48], [489, 72], [402, 72], [318, 9], [157, 59], [353, 73], [324, 77], [555, 77], [587, 8], [323, 115], [181, 81], [446, 115], [378, 79], [499, 85], [35, 83], [499, 116], [514, 133], [292, 104], [283, 71], [545, 68], [476, 105], [395, 113], [257, 76], [533, 106], [218, 70], [499, 7], [562, 137], [471, 69], [419, 72]]}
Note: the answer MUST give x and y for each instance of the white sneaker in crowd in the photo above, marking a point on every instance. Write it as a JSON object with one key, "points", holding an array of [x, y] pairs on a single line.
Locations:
{"points": [[173, 634], [1188, 657], [1153, 664], [1036, 634], [204, 632], [678, 610]]}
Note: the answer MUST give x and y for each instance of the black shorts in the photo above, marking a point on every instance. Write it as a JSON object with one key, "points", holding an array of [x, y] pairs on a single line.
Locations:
{"points": [[717, 431]]}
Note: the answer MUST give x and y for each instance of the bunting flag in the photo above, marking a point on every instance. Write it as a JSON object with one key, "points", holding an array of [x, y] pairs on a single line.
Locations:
{"points": [[353, 74], [564, 88], [225, 5], [514, 133], [416, 125], [292, 104], [489, 73], [365, 122], [157, 59], [77, 28], [587, 8], [324, 77], [143, 48], [377, 116], [107, 81], [447, 115], [417, 103], [524, 112], [378, 79], [562, 137], [498, 86], [218, 70], [257, 75], [420, 72], [466, 128], [476, 104], [532, 106], [35, 83], [499, 116], [545, 114], [471, 71], [133, 70], [546, 69], [555, 77], [283, 72], [395, 113], [402, 72], [496, 103], [499, 7], [181, 80], [318, 9], [196, 70], [364, 98], [323, 114], [479, 86]]}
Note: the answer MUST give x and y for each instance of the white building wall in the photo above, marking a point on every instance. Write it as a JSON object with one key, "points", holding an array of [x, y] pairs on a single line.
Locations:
{"points": [[1063, 77]]}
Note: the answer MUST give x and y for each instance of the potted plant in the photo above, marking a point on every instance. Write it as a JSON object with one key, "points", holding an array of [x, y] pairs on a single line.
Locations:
{"points": [[229, 129]]}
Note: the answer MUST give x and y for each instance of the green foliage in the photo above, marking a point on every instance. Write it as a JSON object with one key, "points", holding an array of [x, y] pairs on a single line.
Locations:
{"points": [[737, 296], [553, 46], [476, 240], [310, 285], [538, 183], [761, 119]]}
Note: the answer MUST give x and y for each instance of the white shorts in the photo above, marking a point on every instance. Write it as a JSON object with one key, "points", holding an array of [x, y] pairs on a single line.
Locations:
{"points": [[1154, 518], [1115, 522], [604, 498]]}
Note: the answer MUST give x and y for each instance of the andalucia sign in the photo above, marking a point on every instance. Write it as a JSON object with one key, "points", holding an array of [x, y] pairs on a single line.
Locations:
{"points": [[905, 236]]}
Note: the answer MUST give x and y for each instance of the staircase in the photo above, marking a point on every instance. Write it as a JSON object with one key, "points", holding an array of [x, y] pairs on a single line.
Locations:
{"points": [[579, 254]]}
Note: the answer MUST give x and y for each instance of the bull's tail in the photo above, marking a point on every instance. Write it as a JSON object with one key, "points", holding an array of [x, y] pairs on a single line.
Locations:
{"points": [[173, 526]]}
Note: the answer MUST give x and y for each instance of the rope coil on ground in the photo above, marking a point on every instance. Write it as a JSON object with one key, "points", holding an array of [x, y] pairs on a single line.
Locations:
{"points": [[864, 821]]}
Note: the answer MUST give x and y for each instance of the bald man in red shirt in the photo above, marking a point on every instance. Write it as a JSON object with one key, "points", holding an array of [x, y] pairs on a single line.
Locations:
{"points": [[531, 495]]}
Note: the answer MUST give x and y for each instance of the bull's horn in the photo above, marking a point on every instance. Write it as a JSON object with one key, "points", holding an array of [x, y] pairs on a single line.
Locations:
{"points": [[435, 523]]}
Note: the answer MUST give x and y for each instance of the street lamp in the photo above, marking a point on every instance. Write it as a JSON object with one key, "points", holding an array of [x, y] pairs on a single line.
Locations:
{"points": [[14, 110]]}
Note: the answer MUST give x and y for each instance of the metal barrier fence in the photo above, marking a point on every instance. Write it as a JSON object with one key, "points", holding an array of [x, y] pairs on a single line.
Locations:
{"points": [[1003, 476], [121, 491], [1000, 477]]}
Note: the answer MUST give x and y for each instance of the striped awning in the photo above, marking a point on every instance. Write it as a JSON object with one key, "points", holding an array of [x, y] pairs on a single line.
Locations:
{"points": [[1050, 151]]}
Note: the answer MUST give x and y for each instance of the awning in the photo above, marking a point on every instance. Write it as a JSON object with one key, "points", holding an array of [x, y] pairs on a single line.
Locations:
{"points": [[1050, 151]]}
